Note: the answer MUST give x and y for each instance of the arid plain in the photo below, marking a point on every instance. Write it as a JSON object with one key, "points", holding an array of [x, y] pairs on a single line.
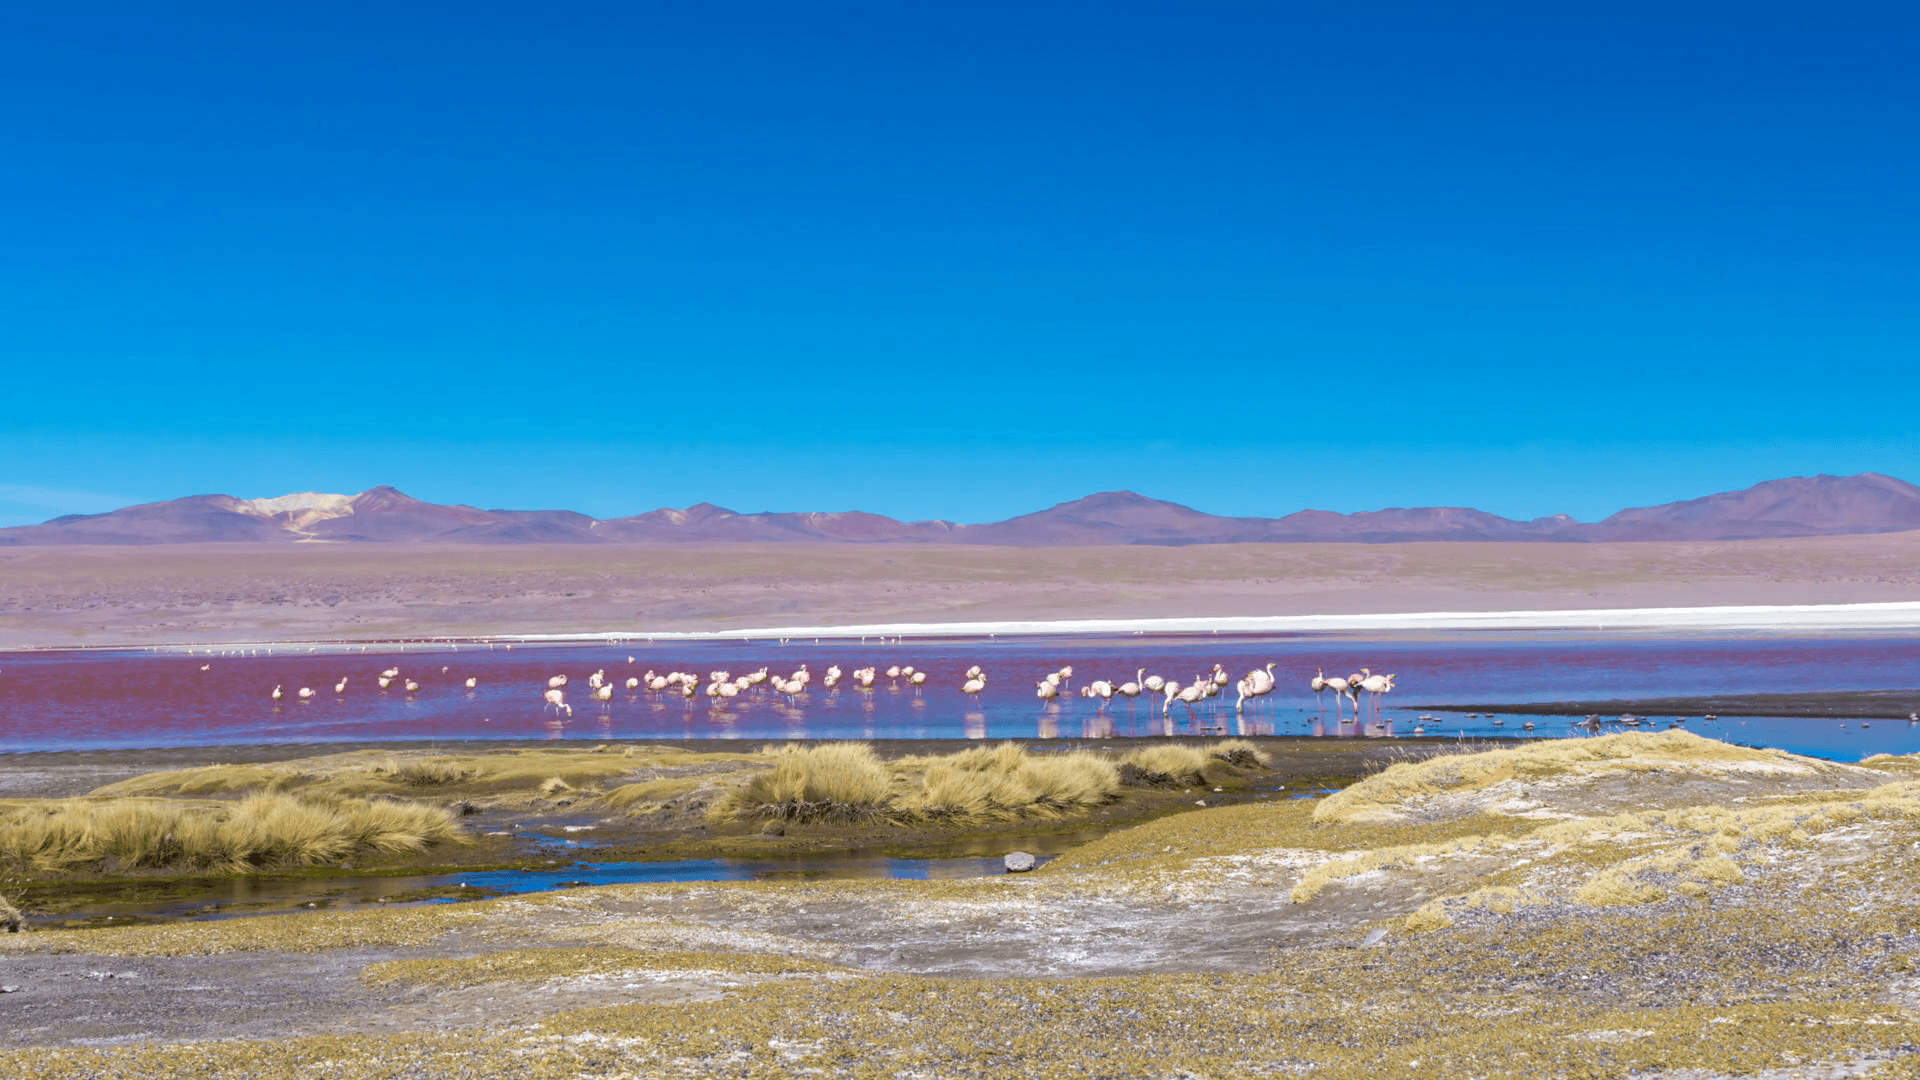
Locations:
{"points": [[243, 592]]}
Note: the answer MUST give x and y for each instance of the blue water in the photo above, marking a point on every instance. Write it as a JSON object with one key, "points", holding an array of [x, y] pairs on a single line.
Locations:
{"points": [[82, 700]]}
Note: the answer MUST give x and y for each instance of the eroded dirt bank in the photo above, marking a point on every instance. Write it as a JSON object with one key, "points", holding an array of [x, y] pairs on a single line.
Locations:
{"points": [[1634, 905]]}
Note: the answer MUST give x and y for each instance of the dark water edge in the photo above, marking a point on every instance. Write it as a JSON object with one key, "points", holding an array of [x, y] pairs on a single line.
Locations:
{"points": [[79, 905], [1838, 705]]}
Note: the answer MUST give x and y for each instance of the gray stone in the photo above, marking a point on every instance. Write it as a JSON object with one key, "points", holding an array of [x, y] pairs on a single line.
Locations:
{"points": [[9, 989], [1375, 936], [1019, 862]]}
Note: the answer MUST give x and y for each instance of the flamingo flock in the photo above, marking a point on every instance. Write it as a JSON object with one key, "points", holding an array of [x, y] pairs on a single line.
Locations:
{"points": [[1363, 690]]}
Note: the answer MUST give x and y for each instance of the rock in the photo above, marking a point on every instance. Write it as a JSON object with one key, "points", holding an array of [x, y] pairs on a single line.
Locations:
{"points": [[1375, 937], [1020, 862], [1199, 802], [9, 989]]}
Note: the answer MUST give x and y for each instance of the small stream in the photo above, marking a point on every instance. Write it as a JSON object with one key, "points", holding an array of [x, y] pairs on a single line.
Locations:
{"points": [[173, 900]]}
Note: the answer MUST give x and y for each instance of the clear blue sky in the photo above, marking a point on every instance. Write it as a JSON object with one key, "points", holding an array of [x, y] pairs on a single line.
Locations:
{"points": [[960, 260]]}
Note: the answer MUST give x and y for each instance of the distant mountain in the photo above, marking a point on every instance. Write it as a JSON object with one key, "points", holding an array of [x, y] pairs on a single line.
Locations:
{"points": [[1797, 506], [717, 524]]}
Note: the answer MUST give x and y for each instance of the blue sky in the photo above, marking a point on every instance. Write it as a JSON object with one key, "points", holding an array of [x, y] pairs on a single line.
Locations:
{"points": [[960, 261]]}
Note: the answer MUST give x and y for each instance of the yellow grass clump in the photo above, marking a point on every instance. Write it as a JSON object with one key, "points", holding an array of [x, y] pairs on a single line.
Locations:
{"points": [[847, 782], [650, 793], [1005, 781], [10, 919], [830, 782], [230, 837], [1179, 763], [509, 773]]}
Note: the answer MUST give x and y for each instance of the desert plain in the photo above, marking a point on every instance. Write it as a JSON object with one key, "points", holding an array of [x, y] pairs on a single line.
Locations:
{"points": [[143, 595]]}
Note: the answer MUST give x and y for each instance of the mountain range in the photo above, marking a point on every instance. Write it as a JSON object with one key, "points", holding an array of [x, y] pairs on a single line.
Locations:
{"points": [[1795, 506]]}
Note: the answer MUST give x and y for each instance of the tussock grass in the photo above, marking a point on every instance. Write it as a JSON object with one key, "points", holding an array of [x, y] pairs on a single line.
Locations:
{"points": [[433, 772], [510, 773], [10, 918], [847, 782], [1175, 764], [231, 837], [1006, 782], [649, 794], [831, 782]]}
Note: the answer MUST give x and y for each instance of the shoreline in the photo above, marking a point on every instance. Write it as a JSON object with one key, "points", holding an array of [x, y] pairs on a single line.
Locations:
{"points": [[1777, 618]]}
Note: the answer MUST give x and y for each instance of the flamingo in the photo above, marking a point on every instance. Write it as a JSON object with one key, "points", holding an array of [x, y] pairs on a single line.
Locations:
{"points": [[556, 682], [603, 692], [918, 679], [1187, 695], [974, 672], [385, 681], [1339, 687], [973, 686], [412, 687], [632, 684], [1375, 685], [1066, 675], [557, 698], [1318, 685], [1153, 684], [277, 695], [306, 693], [1044, 690], [1172, 690], [472, 681], [341, 686], [1101, 689], [658, 682]]}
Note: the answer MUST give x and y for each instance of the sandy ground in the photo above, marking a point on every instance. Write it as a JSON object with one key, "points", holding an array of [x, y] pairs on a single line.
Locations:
{"points": [[213, 593]]}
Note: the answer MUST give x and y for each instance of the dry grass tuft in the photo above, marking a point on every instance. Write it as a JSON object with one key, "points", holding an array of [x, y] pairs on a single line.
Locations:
{"points": [[432, 772], [650, 794], [510, 774], [10, 919], [261, 830], [830, 782], [847, 782]]}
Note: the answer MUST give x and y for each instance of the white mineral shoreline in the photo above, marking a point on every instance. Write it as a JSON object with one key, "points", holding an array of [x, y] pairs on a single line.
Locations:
{"points": [[1767, 618], [1782, 617]]}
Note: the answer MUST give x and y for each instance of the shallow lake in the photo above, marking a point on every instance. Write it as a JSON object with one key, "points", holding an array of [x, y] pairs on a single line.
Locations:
{"points": [[59, 700]]}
